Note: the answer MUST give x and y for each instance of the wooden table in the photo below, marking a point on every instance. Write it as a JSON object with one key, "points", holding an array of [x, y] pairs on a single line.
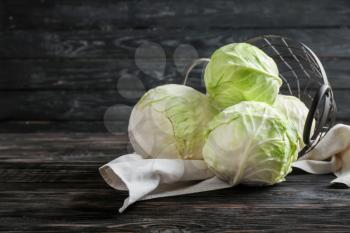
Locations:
{"points": [[65, 64], [50, 182]]}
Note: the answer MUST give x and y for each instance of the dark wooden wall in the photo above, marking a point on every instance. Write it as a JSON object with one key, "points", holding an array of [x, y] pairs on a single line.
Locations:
{"points": [[65, 63]]}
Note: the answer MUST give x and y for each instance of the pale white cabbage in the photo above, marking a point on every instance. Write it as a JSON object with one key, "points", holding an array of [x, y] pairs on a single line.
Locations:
{"points": [[295, 111], [169, 121], [251, 143]]}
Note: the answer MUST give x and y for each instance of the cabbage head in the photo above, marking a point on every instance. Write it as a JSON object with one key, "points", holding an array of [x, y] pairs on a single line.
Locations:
{"points": [[241, 72], [169, 121], [295, 111], [250, 143]]}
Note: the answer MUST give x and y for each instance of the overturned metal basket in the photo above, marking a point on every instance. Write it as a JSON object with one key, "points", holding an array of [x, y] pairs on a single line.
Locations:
{"points": [[303, 76]]}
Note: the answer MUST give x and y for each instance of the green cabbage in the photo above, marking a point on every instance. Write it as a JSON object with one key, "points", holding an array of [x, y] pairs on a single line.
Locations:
{"points": [[250, 143], [241, 72], [295, 111], [169, 121]]}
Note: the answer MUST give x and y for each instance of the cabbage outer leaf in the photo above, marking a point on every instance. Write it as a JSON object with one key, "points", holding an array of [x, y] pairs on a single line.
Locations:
{"points": [[251, 143], [240, 72], [169, 121], [295, 111]]}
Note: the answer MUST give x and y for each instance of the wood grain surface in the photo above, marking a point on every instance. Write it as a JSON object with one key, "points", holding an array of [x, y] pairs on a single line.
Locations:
{"points": [[70, 72], [50, 183], [109, 15], [64, 64], [122, 43]]}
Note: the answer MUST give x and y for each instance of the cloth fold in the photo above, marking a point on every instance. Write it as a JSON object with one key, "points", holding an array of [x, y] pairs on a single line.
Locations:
{"points": [[154, 178], [331, 155]]}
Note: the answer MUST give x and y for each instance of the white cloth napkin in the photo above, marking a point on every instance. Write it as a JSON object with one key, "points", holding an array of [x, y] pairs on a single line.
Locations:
{"points": [[331, 155], [153, 178]]}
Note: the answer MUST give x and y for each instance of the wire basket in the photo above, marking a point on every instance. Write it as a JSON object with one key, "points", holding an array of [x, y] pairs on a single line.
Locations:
{"points": [[304, 77]]}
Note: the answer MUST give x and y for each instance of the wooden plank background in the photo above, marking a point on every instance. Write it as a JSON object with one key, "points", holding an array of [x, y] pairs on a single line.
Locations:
{"points": [[50, 183], [69, 65], [69, 78]]}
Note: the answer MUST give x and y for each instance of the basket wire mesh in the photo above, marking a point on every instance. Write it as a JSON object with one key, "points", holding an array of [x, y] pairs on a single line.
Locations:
{"points": [[304, 77]]}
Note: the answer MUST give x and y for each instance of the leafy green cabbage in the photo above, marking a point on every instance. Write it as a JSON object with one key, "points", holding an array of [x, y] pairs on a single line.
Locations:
{"points": [[295, 111], [241, 72], [251, 143]]}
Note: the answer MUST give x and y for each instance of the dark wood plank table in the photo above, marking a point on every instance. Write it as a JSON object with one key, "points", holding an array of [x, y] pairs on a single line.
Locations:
{"points": [[50, 183], [65, 64]]}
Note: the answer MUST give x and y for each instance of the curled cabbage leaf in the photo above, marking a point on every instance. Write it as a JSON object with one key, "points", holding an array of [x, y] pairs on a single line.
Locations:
{"points": [[295, 111], [169, 121], [250, 143], [241, 72]]}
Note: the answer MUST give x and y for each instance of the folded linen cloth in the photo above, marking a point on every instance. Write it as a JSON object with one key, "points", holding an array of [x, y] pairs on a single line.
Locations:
{"points": [[331, 155], [153, 178]]}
